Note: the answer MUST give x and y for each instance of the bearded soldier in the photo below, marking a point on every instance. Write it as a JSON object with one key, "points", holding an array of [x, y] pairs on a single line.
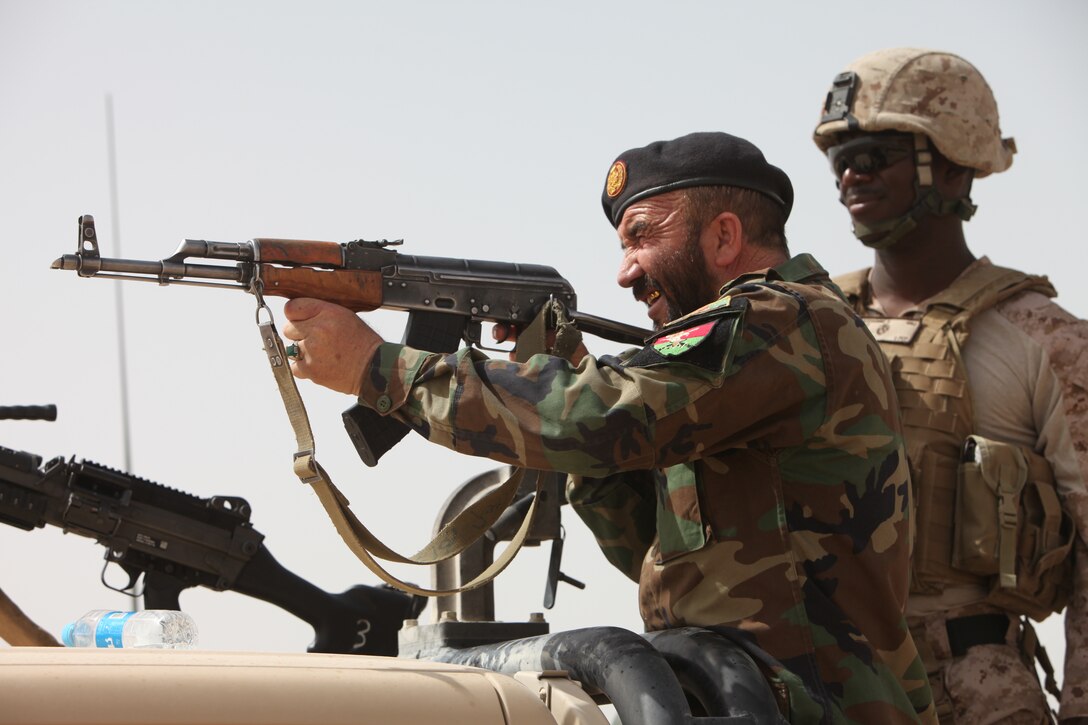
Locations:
{"points": [[989, 374], [745, 467]]}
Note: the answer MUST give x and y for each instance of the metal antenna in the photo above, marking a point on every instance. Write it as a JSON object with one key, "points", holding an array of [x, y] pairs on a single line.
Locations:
{"points": [[119, 302]]}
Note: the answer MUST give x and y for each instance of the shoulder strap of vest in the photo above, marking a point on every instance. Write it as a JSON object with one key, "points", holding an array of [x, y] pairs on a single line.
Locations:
{"points": [[984, 286]]}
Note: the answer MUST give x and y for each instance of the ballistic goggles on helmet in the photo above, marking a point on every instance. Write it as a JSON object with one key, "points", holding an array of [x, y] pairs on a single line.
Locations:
{"points": [[871, 153]]}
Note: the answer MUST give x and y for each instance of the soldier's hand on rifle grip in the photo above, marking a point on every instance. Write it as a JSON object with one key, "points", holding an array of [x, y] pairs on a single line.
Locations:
{"points": [[334, 345], [502, 332]]}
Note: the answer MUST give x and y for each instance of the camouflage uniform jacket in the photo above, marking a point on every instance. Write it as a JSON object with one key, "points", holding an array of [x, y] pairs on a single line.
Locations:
{"points": [[768, 488]]}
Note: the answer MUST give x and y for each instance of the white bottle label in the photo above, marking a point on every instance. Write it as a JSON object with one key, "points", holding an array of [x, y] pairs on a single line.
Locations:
{"points": [[110, 628]]}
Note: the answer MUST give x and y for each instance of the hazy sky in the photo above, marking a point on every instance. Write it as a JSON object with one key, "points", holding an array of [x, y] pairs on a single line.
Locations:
{"points": [[480, 130]]}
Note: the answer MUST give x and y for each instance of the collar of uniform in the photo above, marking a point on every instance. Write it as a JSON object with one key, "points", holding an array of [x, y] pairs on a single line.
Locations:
{"points": [[801, 268]]}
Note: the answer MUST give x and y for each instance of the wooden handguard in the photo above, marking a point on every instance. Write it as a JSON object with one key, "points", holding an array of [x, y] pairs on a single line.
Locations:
{"points": [[358, 290]]}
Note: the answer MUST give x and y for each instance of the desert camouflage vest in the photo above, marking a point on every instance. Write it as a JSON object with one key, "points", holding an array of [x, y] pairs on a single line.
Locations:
{"points": [[1013, 535]]}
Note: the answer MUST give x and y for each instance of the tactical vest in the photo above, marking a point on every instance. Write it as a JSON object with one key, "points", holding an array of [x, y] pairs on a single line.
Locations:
{"points": [[986, 513]]}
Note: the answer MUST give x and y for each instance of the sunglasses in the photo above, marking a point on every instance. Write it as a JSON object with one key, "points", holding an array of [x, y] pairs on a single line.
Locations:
{"points": [[869, 154]]}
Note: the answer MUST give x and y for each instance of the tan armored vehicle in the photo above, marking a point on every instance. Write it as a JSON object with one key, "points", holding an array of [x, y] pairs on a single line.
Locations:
{"points": [[164, 687]]}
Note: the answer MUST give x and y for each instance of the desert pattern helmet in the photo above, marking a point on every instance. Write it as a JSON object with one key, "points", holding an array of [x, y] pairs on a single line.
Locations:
{"points": [[928, 92]]}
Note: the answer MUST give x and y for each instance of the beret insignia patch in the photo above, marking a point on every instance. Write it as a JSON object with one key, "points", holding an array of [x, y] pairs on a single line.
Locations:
{"points": [[680, 342], [617, 179]]}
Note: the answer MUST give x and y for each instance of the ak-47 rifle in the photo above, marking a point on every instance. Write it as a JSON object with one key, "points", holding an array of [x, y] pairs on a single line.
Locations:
{"points": [[446, 298], [176, 540]]}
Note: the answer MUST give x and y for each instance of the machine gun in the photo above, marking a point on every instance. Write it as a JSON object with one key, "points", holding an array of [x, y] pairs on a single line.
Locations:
{"points": [[447, 298], [176, 540]]}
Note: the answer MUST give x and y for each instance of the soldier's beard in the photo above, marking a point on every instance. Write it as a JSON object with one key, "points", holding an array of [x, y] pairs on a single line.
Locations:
{"points": [[684, 281]]}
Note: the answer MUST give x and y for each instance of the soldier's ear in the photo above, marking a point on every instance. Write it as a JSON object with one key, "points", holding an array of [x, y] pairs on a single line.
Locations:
{"points": [[722, 240], [952, 180]]}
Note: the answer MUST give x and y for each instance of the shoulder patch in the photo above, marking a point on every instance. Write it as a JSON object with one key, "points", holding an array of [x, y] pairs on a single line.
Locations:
{"points": [[677, 343], [703, 339]]}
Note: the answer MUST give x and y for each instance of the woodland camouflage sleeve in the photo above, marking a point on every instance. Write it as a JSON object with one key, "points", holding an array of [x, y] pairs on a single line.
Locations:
{"points": [[432, 393], [594, 420], [620, 510]]}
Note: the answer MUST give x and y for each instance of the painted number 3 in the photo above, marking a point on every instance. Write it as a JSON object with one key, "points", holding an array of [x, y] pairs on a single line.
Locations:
{"points": [[364, 627]]}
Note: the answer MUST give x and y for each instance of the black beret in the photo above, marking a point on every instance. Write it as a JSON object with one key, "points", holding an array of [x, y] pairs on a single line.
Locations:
{"points": [[698, 159]]}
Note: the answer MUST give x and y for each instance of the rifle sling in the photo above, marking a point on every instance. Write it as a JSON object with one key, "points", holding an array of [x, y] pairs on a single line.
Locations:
{"points": [[456, 536]]}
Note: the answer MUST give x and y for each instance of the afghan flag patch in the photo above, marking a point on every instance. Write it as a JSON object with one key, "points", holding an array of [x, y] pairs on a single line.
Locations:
{"points": [[677, 343]]}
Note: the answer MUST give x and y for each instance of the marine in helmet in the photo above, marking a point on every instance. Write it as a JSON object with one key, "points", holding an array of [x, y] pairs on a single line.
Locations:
{"points": [[989, 374]]}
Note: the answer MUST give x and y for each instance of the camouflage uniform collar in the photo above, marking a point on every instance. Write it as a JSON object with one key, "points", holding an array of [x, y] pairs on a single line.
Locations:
{"points": [[800, 268]]}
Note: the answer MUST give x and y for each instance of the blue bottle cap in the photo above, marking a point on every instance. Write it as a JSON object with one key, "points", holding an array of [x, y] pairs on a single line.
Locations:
{"points": [[66, 635]]}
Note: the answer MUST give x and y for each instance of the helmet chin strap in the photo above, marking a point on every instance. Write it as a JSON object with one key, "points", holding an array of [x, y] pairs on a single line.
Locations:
{"points": [[927, 201]]}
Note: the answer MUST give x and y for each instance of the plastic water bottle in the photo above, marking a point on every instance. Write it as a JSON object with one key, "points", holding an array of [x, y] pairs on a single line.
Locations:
{"points": [[150, 628]]}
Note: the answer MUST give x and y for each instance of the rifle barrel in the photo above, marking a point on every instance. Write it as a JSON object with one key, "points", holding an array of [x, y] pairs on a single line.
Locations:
{"points": [[163, 271]]}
